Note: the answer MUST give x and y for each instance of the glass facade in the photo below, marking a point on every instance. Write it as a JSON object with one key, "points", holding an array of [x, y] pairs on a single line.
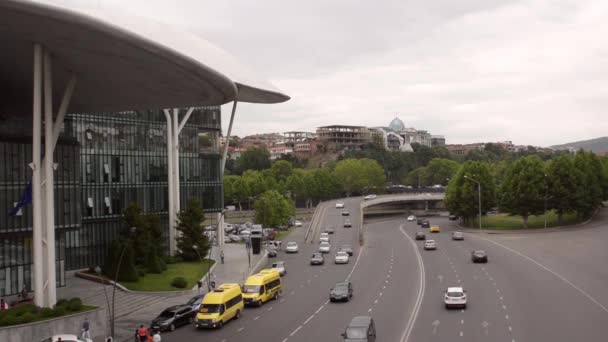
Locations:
{"points": [[106, 161]]}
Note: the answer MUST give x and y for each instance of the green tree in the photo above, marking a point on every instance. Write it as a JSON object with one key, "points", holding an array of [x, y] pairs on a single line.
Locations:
{"points": [[128, 271], [281, 169], [462, 192], [416, 178], [273, 210], [351, 175], [191, 232], [295, 184], [563, 183], [591, 190], [255, 182], [439, 171], [423, 154], [523, 189], [147, 251], [254, 158]]}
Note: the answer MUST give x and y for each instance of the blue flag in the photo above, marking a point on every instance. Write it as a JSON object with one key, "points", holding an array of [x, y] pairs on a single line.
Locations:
{"points": [[26, 198]]}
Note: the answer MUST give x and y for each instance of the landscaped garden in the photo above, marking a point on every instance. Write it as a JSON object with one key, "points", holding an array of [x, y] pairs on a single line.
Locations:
{"points": [[28, 313]]}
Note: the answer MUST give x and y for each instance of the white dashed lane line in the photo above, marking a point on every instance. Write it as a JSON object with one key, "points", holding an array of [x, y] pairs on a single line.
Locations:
{"points": [[256, 318], [241, 329]]}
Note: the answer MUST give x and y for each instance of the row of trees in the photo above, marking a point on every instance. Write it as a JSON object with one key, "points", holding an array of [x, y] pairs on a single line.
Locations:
{"points": [[529, 186], [347, 176]]}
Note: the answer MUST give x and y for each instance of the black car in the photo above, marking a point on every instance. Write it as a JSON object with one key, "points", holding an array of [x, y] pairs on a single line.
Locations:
{"points": [[419, 221], [317, 259], [342, 291], [425, 224], [345, 213], [453, 217], [347, 248], [420, 236], [329, 230], [479, 256], [173, 317], [347, 224]]}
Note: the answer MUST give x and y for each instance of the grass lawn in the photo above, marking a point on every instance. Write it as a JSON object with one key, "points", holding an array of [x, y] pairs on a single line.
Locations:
{"points": [[281, 234], [505, 222], [191, 271]]}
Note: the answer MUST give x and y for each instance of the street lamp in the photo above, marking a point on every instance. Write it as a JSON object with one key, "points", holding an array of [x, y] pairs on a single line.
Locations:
{"points": [[98, 272], [478, 194], [546, 190], [132, 231], [195, 247]]}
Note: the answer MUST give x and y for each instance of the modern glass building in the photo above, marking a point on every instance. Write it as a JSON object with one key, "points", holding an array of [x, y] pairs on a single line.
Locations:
{"points": [[106, 161]]}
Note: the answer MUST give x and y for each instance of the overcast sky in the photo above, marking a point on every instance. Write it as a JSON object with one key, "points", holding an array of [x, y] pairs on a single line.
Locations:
{"points": [[531, 71]]}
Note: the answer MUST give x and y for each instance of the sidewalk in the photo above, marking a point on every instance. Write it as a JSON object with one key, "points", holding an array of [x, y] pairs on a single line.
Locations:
{"points": [[135, 308]]}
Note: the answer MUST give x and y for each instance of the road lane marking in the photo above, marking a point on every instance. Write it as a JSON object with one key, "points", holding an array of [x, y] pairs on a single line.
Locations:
{"points": [[504, 307], [501, 298], [292, 292], [435, 325], [240, 329], [295, 331], [301, 285], [284, 340], [461, 333], [369, 310], [316, 276], [421, 288], [308, 281], [380, 294], [270, 308], [506, 316], [308, 320], [319, 309], [282, 300], [256, 318], [600, 305], [510, 329], [462, 321], [376, 301]]}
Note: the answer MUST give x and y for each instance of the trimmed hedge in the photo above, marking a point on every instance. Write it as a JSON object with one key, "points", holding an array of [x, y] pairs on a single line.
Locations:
{"points": [[30, 313], [179, 282]]}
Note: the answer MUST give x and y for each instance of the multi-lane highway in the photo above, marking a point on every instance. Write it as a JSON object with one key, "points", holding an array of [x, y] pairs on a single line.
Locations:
{"points": [[522, 294]]}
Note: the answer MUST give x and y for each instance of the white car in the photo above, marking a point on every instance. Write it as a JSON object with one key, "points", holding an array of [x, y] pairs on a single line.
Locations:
{"points": [[339, 205], [430, 244], [411, 218], [292, 247], [66, 337], [324, 237], [280, 267], [324, 247], [369, 197], [341, 258], [455, 297], [297, 223]]}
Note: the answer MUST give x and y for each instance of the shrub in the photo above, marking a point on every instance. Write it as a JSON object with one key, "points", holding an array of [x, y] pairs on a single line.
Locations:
{"points": [[8, 320], [27, 317], [179, 282], [154, 265], [75, 304], [63, 303], [140, 271], [172, 259], [163, 264], [20, 310], [46, 312], [58, 311]]}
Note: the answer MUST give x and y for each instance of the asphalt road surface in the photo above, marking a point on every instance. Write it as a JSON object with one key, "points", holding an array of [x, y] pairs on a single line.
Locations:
{"points": [[535, 287]]}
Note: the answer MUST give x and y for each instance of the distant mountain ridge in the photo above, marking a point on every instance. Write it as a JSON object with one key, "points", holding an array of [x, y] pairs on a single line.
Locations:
{"points": [[594, 145]]}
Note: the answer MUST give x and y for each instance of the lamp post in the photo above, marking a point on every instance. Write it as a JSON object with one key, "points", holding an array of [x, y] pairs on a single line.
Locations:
{"points": [[546, 190], [478, 194], [98, 272], [132, 231], [195, 247]]}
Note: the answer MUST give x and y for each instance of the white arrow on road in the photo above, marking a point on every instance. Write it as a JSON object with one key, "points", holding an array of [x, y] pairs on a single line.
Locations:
{"points": [[435, 325], [440, 277], [485, 325]]}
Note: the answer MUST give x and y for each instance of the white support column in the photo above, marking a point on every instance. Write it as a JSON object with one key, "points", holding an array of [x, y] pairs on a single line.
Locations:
{"points": [[170, 184], [185, 119], [39, 299], [176, 159], [220, 217], [49, 196], [63, 108]]}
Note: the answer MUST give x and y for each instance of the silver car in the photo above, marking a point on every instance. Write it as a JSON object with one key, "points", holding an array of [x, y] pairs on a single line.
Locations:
{"points": [[280, 267], [292, 247], [324, 247]]}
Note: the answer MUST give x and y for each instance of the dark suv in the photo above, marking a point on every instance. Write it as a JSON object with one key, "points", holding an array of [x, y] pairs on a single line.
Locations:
{"points": [[425, 224], [172, 317]]}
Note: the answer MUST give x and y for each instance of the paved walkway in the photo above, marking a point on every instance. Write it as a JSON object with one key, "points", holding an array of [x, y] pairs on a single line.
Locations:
{"points": [[133, 309]]}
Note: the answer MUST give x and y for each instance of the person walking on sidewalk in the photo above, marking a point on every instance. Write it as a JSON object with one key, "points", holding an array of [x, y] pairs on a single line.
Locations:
{"points": [[3, 304], [86, 333], [142, 333], [222, 255], [156, 337]]}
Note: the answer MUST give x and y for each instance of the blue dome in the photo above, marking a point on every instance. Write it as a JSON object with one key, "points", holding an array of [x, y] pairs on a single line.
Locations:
{"points": [[397, 125]]}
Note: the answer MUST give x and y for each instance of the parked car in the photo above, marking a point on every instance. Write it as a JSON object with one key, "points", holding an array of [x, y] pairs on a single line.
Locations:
{"points": [[411, 218], [324, 247], [280, 267], [269, 233], [235, 238], [342, 291], [453, 217], [66, 337], [479, 256], [271, 252], [430, 245], [360, 329], [457, 236], [317, 259], [329, 230], [347, 223], [455, 297], [339, 205], [195, 302], [347, 248], [292, 247], [420, 236], [297, 223], [173, 317], [341, 258]]}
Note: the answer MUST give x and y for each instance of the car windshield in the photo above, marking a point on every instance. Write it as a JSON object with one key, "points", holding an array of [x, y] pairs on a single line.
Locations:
{"points": [[324, 244], [251, 289], [455, 294], [340, 288], [355, 333], [210, 308], [277, 265], [316, 255], [194, 300], [480, 253], [342, 254], [167, 314]]}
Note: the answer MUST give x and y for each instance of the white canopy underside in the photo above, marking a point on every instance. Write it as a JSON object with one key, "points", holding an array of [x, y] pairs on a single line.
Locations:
{"points": [[121, 62]]}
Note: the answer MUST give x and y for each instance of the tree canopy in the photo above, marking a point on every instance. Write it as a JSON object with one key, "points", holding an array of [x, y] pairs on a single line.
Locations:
{"points": [[523, 188], [273, 209]]}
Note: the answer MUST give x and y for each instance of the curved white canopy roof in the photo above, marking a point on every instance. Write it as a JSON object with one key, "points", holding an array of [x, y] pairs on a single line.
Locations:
{"points": [[121, 62]]}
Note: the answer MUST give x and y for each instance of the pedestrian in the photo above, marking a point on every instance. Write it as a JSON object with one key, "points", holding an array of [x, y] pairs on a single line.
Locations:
{"points": [[222, 255], [150, 336], [86, 333], [142, 333], [3, 304], [156, 337]]}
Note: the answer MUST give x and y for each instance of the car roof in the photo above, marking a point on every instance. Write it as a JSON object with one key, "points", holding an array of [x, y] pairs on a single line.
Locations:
{"points": [[419, 233], [279, 263], [455, 289], [479, 251], [345, 283], [292, 243], [342, 252], [176, 307], [360, 321], [430, 241]]}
